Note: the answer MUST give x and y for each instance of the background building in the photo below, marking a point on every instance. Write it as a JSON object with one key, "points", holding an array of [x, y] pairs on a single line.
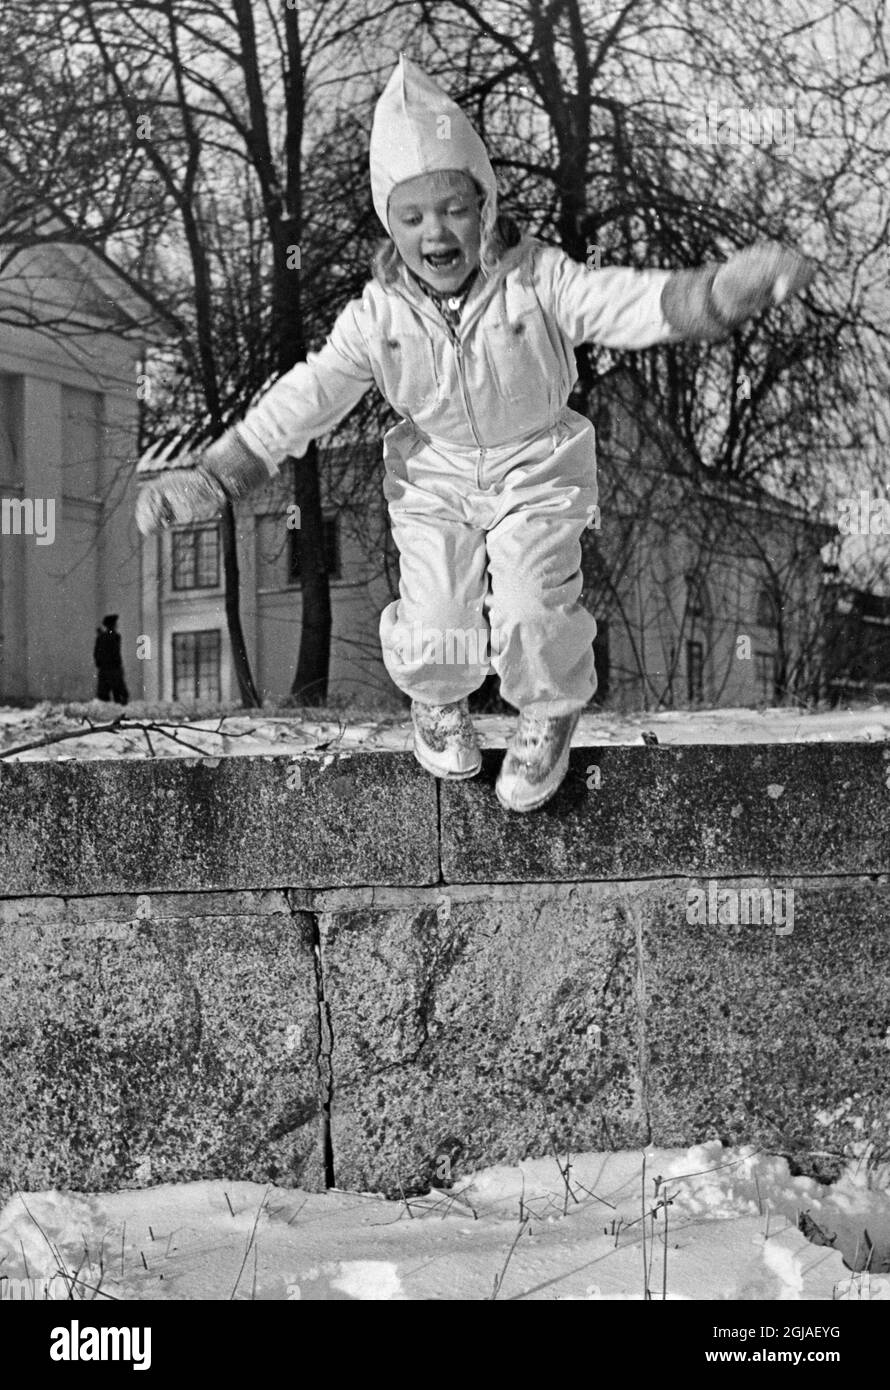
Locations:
{"points": [[67, 429], [706, 592], [183, 597]]}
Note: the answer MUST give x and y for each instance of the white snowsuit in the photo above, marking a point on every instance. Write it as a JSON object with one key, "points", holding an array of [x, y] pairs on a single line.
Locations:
{"points": [[490, 478]]}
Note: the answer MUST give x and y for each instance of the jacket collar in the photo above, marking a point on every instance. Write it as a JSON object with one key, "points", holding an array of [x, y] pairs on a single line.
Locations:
{"points": [[481, 291]]}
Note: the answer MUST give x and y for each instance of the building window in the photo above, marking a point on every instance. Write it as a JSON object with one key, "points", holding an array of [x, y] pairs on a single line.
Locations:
{"points": [[11, 474], [765, 675], [196, 666], [82, 435], [196, 558], [696, 599], [601, 660], [331, 531], [767, 615], [695, 672]]}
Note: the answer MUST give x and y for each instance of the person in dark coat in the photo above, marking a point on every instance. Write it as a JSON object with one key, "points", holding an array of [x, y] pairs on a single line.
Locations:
{"points": [[107, 656]]}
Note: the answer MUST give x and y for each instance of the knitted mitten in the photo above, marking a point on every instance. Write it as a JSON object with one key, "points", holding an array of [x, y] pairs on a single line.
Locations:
{"points": [[711, 302], [225, 470]]}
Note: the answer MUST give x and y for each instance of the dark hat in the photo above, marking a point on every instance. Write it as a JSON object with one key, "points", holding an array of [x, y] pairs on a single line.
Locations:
{"points": [[109, 620]]}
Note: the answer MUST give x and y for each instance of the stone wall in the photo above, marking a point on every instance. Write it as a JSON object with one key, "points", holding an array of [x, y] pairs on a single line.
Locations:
{"points": [[350, 975]]}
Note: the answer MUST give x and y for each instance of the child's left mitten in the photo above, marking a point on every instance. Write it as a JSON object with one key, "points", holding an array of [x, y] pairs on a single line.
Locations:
{"points": [[224, 471], [759, 276]]}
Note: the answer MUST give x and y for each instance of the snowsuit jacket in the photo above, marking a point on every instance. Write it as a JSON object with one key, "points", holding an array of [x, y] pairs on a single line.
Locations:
{"points": [[488, 468], [506, 378]]}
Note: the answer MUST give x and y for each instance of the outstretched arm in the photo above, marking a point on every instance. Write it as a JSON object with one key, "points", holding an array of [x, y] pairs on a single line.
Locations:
{"points": [[305, 402], [623, 308]]}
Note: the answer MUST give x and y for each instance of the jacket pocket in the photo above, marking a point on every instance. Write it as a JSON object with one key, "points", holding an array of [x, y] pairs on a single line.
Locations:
{"points": [[406, 370], [522, 363]]}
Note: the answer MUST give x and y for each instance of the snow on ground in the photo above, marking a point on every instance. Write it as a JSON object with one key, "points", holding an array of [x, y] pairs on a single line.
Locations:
{"points": [[729, 1232], [304, 732]]}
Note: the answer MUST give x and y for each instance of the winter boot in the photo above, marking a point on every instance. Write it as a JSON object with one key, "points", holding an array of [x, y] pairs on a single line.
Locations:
{"points": [[445, 742], [537, 760]]}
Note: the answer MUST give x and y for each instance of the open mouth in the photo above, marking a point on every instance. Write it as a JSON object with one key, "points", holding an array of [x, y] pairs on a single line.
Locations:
{"points": [[443, 260]]}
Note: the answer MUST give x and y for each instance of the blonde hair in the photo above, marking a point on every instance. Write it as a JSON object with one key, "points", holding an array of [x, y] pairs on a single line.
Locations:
{"points": [[497, 234]]}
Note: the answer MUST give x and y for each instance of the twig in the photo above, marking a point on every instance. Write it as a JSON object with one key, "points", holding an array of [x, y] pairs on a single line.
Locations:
{"points": [[499, 1280], [122, 725], [256, 1220], [298, 1210], [646, 1294], [871, 1250], [174, 738], [59, 738], [53, 1250], [75, 1275], [595, 1196], [564, 1174], [96, 1289]]}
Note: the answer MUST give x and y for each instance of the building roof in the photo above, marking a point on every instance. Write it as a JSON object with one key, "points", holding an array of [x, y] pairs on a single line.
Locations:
{"points": [[42, 257]]}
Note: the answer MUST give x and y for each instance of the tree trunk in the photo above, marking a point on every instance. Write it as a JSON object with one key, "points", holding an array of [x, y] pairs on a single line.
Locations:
{"points": [[247, 690], [310, 684], [284, 213]]}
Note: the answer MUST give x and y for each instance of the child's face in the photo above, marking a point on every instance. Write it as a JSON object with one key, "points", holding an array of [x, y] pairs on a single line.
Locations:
{"points": [[434, 221]]}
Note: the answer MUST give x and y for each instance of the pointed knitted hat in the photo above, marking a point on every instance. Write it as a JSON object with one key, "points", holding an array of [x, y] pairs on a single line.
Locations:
{"points": [[417, 129]]}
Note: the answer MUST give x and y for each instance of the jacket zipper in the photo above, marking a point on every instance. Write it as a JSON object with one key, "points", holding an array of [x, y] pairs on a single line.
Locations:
{"points": [[459, 355]]}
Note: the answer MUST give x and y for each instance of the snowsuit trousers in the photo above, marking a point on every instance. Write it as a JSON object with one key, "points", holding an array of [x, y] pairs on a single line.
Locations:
{"points": [[490, 566]]}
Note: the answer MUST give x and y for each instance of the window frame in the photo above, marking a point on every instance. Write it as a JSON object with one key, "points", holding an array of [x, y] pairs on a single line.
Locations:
{"points": [[696, 648], [176, 638], [176, 537], [759, 657], [766, 601]]}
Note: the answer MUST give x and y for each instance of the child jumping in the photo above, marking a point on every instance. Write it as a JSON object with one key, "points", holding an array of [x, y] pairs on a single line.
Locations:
{"points": [[468, 329]]}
